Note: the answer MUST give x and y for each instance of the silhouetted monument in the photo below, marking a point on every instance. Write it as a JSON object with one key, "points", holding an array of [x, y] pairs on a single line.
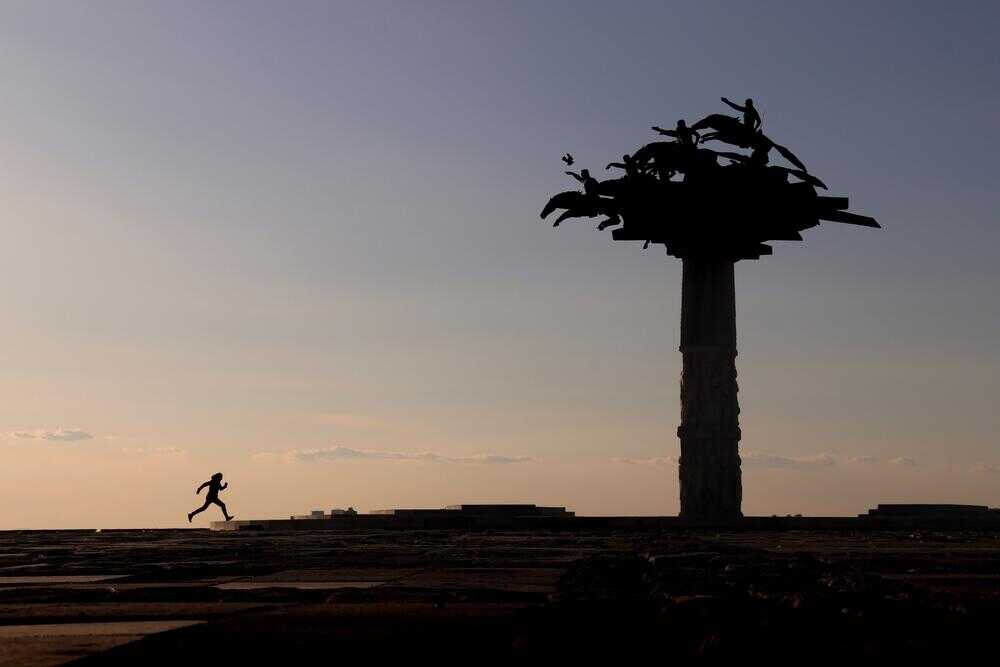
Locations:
{"points": [[709, 215]]}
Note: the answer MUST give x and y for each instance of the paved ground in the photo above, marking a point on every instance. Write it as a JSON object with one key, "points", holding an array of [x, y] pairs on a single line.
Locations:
{"points": [[122, 597]]}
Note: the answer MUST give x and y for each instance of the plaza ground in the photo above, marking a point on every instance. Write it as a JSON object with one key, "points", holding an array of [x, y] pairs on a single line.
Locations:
{"points": [[162, 596]]}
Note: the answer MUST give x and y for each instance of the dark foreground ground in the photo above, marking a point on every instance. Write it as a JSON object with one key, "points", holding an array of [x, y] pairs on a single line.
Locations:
{"points": [[460, 596]]}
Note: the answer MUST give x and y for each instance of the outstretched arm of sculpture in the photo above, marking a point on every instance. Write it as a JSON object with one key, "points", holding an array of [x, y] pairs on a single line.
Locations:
{"points": [[201, 487], [620, 165], [734, 105], [576, 176], [695, 137]]}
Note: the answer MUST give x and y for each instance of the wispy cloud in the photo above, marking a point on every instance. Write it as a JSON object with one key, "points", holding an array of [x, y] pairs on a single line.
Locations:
{"points": [[753, 459], [654, 461], [750, 459], [762, 460], [347, 454], [172, 452], [58, 435]]}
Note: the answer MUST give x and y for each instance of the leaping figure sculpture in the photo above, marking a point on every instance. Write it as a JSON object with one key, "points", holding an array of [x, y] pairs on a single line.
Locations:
{"points": [[710, 215]]}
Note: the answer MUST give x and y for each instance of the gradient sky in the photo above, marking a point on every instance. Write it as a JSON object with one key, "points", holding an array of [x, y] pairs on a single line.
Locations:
{"points": [[299, 243]]}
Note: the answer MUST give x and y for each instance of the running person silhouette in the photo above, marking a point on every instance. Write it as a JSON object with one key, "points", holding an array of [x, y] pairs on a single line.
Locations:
{"points": [[214, 485]]}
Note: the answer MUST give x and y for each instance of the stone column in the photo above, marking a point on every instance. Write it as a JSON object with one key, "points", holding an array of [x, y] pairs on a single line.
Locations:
{"points": [[711, 486]]}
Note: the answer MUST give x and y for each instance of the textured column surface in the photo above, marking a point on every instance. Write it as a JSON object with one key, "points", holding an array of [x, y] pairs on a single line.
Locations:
{"points": [[711, 486]]}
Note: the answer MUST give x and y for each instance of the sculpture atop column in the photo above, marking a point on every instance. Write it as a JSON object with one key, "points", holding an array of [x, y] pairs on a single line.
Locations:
{"points": [[710, 215]]}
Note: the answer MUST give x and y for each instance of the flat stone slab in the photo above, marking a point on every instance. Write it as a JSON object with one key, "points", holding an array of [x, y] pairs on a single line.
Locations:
{"points": [[514, 579], [297, 585], [45, 644], [99, 629], [58, 579], [26, 613], [349, 574]]}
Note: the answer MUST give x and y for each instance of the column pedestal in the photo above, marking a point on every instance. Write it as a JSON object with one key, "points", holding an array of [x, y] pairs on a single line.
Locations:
{"points": [[710, 478]]}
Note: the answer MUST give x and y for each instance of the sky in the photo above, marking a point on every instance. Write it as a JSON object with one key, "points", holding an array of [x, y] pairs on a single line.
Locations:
{"points": [[299, 243]]}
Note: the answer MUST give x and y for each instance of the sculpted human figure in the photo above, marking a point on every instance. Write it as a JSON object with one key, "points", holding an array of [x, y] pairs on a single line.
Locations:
{"points": [[759, 154], [682, 133], [628, 164], [590, 184], [751, 119], [665, 158]]}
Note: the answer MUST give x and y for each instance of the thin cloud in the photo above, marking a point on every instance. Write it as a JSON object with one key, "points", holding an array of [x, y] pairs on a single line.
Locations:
{"points": [[903, 461], [750, 460], [155, 451], [58, 435], [761, 460], [340, 453], [493, 459], [753, 459], [654, 461]]}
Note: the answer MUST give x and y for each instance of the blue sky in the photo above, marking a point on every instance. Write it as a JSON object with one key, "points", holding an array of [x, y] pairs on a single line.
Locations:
{"points": [[241, 230]]}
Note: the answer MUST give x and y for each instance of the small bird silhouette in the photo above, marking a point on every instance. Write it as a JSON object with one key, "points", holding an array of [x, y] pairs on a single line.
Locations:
{"points": [[568, 159]]}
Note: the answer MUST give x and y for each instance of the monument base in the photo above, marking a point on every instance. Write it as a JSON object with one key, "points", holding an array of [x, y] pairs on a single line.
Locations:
{"points": [[710, 478]]}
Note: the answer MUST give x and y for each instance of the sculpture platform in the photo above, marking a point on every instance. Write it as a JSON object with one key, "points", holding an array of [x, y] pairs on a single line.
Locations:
{"points": [[533, 517]]}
